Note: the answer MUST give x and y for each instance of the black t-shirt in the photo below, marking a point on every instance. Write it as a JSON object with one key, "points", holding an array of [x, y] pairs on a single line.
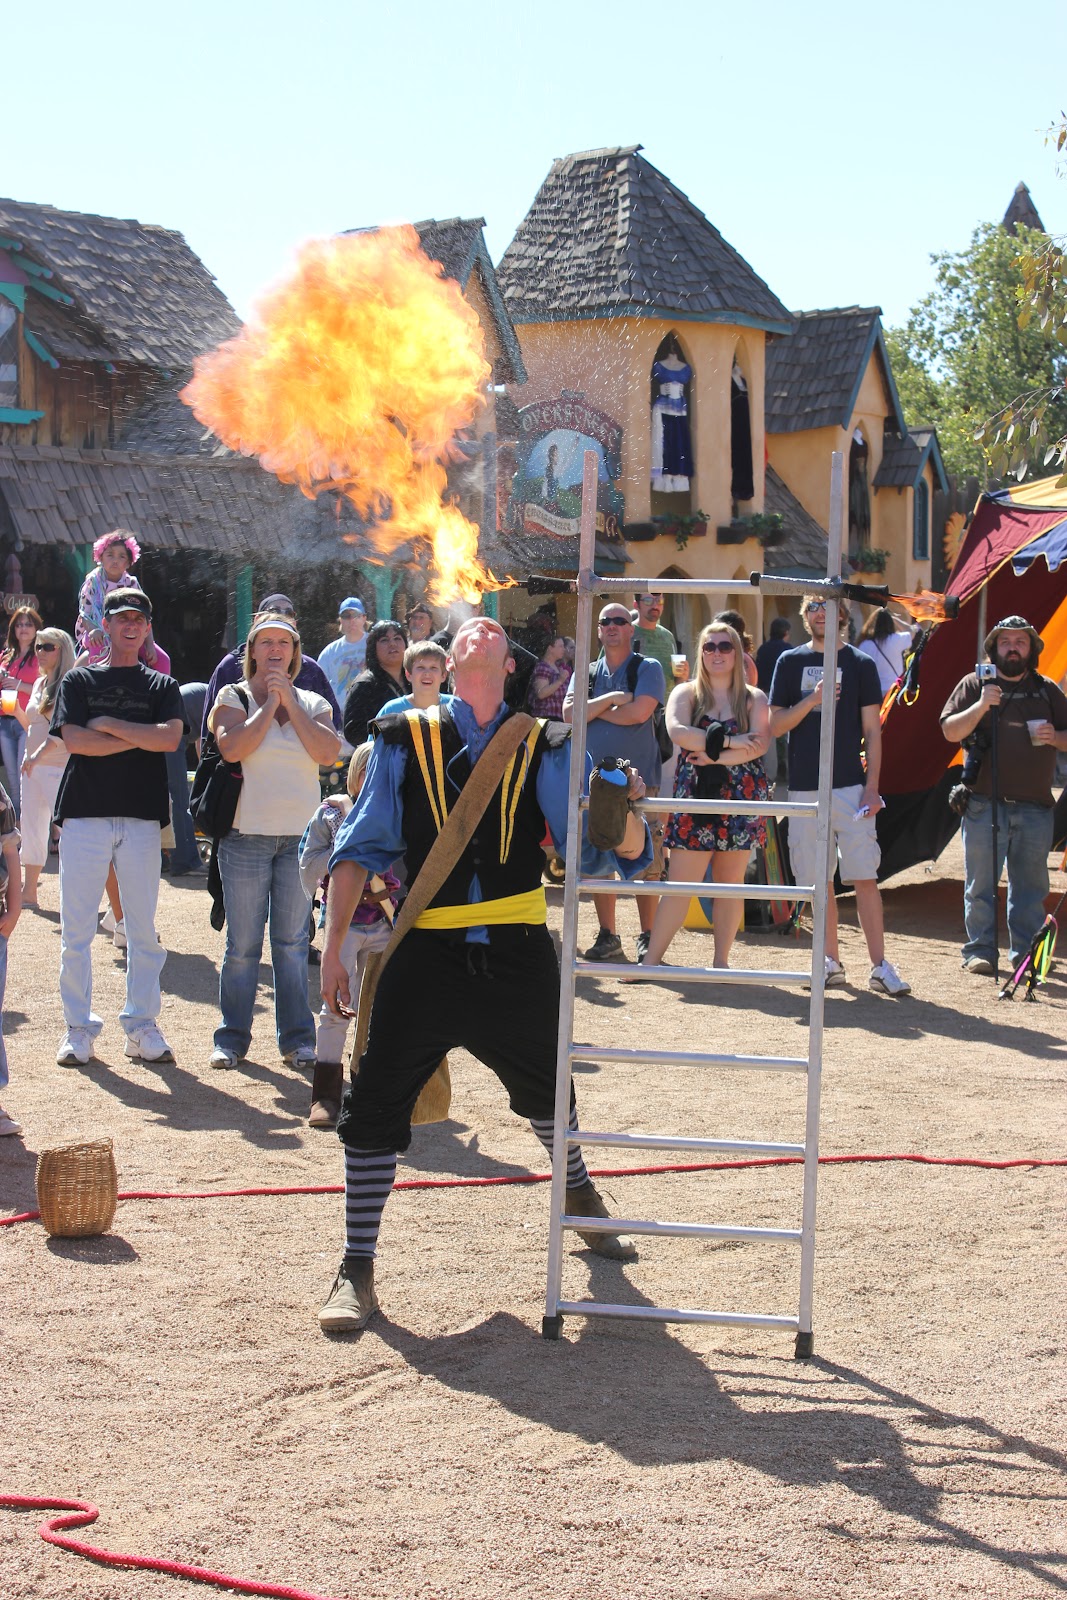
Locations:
{"points": [[795, 675], [766, 659], [132, 783]]}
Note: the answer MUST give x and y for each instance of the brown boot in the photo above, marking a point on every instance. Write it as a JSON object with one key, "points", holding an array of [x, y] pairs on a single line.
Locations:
{"points": [[327, 1087], [586, 1202]]}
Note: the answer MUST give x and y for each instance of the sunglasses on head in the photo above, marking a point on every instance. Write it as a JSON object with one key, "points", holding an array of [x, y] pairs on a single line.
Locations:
{"points": [[44, 649], [718, 647]]}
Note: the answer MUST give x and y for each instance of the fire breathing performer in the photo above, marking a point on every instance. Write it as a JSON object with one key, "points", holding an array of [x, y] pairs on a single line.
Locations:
{"points": [[478, 969]]}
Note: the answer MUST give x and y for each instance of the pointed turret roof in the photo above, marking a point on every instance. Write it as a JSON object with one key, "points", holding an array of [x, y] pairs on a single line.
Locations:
{"points": [[609, 236], [1021, 210]]}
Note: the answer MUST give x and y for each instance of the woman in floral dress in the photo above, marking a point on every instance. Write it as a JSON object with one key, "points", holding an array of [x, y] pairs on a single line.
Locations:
{"points": [[721, 727]]}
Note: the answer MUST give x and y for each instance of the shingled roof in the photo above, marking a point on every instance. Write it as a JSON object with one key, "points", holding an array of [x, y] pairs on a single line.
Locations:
{"points": [[609, 236], [69, 497], [813, 379], [1021, 209], [803, 551], [140, 294], [905, 456]]}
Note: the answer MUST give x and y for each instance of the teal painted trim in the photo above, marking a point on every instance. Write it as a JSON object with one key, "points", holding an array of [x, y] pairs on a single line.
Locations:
{"points": [[491, 605], [37, 272], [39, 350], [733, 319], [876, 341], [78, 562], [9, 244], [932, 453], [110, 368], [52, 294], [16, 293], [385, 582], [13, 414], [243, 600]]}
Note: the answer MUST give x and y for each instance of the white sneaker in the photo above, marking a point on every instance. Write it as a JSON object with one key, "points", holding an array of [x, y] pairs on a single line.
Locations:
{"points": [[223, 1059], [885, 979], [835, 975], [76, 1048], [107, 922], [302, 1056], [147, 1044], [118, 935]]}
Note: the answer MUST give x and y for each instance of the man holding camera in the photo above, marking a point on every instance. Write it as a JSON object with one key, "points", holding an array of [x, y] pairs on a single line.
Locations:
{"points": [[1028, 713]]}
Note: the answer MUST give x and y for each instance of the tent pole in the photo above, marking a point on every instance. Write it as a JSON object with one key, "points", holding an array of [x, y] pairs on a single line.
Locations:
{"points": [[982, 629]]}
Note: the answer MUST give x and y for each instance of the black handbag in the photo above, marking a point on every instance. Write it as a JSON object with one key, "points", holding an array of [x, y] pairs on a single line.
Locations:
{"points": [[216, 788]]}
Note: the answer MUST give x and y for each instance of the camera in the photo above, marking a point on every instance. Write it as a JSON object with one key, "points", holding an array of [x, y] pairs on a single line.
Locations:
{"points": [[986, 671]]}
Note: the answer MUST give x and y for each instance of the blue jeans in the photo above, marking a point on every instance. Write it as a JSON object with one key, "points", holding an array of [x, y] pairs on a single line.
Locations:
{"points": [[12, 750], [261, 885], [87, 847], [185, 855], [1024, 839]]}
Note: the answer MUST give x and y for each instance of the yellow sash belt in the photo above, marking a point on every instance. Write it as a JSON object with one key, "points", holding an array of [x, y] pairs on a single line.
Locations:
{"points": [[529, 907]]}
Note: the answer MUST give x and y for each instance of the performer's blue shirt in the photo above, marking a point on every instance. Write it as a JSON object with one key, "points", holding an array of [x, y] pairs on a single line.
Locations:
{"points": [[372, 834]]}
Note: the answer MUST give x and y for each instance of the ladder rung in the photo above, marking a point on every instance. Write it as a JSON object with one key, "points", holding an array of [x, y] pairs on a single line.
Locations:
{"points": [[738, 1319], [667, 1058], [667, 1141], [698, 891], [623, 969], [682, 1230]]}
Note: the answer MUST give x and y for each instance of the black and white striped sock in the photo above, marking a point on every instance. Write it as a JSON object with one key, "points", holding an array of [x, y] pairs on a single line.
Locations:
{"points": [[576, 1173], [369, 1179]]}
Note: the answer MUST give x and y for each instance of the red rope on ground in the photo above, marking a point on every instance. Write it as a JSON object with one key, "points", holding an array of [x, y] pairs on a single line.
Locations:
{"points": [[546, 1177], [81, 1513]]}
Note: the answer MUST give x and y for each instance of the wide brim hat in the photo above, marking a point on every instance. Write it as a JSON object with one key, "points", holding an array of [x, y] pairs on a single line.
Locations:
{"points": [[1014, 625]]}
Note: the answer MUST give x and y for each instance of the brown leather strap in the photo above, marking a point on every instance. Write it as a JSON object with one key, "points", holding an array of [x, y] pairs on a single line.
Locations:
{"points": [[446, 851]]}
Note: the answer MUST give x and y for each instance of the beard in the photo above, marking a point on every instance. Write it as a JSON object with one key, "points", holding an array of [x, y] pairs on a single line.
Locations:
{"points": [[1012, 666]]}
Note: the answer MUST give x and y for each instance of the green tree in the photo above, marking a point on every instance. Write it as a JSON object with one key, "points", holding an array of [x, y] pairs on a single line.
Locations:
{"points": [[967, 355]]}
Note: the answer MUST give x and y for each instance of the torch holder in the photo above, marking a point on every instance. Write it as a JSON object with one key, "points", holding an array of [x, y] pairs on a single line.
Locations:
{"points": [[838, 589]]}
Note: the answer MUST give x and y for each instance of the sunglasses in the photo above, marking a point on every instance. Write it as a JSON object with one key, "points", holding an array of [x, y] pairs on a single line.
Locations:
{"points": [[616, 622], [816, 605], [44, 649], [718, 647]]}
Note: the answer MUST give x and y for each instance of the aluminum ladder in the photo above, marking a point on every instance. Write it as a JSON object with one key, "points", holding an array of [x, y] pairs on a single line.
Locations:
{"points": [[569, 1052]]}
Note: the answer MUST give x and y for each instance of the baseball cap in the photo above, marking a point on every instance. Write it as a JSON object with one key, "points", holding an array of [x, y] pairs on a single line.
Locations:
{"points": [[352, 603], [275, 602], [127, 600]]}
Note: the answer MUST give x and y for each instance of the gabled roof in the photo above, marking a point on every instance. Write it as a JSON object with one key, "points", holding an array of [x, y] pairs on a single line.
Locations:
{"points": [[140, 294], [69, 497], [1021, 209], [803, 552], [904, 458], [609, 236], [813, 379]]}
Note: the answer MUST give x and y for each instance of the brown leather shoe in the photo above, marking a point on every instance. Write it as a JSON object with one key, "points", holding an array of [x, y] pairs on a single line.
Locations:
{"points": [[586, 1202], [327, 1087], [352, 1300]]}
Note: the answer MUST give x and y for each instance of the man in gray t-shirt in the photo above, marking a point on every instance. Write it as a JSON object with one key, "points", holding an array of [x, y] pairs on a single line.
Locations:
{"points": [[620, 724]]}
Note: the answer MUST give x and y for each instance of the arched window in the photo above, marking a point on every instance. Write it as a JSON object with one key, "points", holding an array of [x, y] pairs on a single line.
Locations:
{"points": [[671, 467], [920, 536], [742, 484], [859, 495]]}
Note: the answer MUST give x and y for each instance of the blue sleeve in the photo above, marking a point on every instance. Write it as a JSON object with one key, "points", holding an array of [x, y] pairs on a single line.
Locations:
{"points": [[650, 680], [553, 781], [314, 678], [372, 834], [227, 671]]}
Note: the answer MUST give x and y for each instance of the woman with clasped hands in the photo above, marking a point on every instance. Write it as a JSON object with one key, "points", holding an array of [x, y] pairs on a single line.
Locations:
{"points": [[281, 735]]}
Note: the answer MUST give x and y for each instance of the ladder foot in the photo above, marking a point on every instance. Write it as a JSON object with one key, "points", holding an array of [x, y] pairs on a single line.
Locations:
{"points": [[552, 1327], [804, 1348]]}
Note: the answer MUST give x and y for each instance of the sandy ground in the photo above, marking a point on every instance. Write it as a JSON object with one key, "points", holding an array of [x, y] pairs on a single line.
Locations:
{"points": [[173, 1371]]}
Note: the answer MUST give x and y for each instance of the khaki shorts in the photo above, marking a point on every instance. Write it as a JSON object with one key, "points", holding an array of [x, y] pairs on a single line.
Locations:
{"points": [[653, 873], [854, 844]]}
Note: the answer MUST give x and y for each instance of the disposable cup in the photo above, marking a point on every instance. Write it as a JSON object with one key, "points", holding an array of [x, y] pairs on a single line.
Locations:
{"points": [[8, 701], [1032, 725], [677, 664]]}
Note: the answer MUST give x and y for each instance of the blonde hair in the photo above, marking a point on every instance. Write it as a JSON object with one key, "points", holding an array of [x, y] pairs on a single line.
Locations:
{"points": [[357, 767], [270, 619], [424, 647], [740, 694], [64, 660]]}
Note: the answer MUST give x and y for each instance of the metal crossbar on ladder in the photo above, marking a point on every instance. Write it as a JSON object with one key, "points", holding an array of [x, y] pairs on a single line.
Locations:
{"points": [[569, 1052]]}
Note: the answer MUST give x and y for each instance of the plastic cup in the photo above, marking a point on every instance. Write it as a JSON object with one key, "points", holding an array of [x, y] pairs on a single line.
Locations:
{"points": [[8, 701], [678, 664], [1032, 725]]}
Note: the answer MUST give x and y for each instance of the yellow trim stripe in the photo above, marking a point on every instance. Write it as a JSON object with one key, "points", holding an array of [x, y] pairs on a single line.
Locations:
{"points": [[509, 805], [437, 801], [531, 907]]}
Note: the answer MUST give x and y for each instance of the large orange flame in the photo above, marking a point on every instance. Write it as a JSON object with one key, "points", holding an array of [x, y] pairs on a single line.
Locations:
{"points": [[926, 606], [356, 374]]}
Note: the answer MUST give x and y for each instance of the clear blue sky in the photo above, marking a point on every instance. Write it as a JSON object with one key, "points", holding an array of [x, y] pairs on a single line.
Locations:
{"points": [[833, 152]]}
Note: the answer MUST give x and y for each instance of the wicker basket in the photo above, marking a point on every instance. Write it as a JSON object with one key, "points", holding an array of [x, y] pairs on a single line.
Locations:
{"points": [[77, 1188]]}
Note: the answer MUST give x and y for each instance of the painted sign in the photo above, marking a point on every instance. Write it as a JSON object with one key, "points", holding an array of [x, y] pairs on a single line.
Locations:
{"points": [[544, 496]]}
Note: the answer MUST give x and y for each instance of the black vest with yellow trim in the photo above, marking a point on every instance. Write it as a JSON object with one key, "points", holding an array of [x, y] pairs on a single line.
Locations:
{"points": [[505, 850]]}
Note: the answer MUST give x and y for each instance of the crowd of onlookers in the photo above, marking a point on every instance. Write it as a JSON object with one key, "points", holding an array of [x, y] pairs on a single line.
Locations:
{"points": [[95, 736]]}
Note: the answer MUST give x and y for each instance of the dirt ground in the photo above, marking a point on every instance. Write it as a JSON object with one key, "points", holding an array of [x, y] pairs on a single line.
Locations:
{"points": [[174, 1373]]}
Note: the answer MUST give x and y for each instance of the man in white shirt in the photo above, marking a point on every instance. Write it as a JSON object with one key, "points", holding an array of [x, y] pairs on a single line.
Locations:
{"points": [[344, 659]]}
